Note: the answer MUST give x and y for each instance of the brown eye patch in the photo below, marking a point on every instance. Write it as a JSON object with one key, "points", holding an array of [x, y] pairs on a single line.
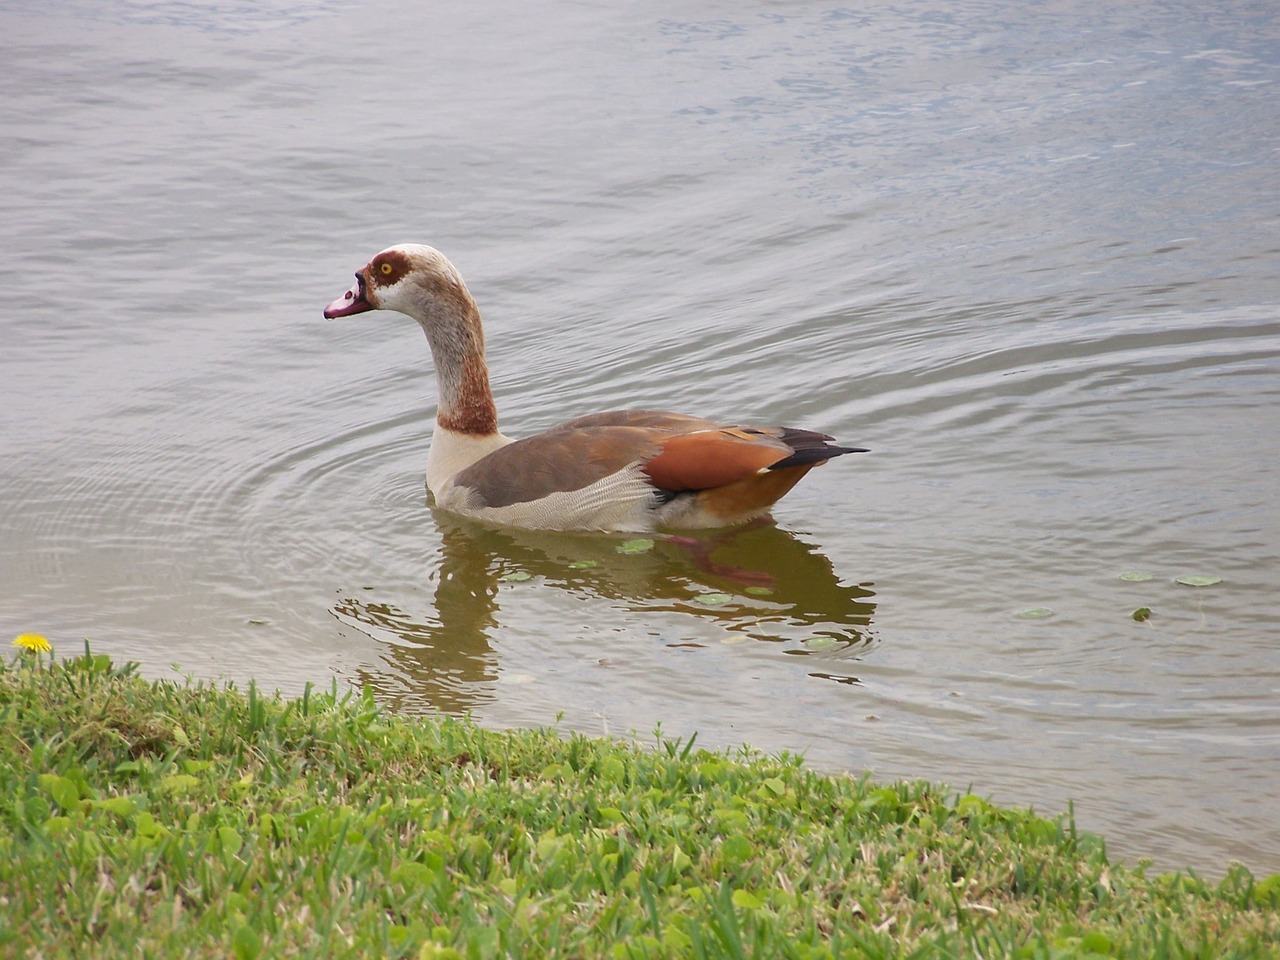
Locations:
{"points": [[387, 268]]}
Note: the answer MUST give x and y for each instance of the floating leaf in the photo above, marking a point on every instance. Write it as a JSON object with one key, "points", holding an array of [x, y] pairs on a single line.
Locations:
{"points": [[583, 565], [1137, 577], [1035, 613], [1198, 581], [760, 591], [714, 599], [1141, 614], [639, 545], [516, 576]]}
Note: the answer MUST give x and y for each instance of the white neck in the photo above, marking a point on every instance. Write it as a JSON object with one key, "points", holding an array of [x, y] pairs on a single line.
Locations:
{"points": [[452, 451]]}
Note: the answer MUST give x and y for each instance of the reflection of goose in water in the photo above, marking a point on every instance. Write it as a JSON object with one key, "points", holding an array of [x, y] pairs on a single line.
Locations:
{"points": [[633, 470], [754, 582]]}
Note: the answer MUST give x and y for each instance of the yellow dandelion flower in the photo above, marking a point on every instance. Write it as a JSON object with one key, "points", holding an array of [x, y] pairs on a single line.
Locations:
{"points": [[32, 642]]}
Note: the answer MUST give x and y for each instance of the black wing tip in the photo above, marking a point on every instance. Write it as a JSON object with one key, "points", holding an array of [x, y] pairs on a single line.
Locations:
{"points": [[815, 454]]}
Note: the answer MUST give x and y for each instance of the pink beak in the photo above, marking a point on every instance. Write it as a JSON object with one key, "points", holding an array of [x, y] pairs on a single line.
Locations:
{"points": [[350, 303]]}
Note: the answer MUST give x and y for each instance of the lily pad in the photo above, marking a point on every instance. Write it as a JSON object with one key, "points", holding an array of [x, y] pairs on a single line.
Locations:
{"points": [[516, 576], [583, 565], [1198, 581], [1142, 614], [819, 643], [1035, 613], [760, 591], [1137, 577], [714, 599], [639, 545]]}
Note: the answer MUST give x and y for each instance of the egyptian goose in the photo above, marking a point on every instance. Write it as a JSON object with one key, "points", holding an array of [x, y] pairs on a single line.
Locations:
{"points": [[628, 470]]}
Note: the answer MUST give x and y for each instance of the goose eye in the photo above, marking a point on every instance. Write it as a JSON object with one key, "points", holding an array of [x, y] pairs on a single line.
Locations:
{"points": [[386, 269]]}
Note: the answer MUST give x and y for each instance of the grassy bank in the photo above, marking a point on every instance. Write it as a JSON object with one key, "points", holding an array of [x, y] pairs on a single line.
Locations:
{"points": [[179, 820]]}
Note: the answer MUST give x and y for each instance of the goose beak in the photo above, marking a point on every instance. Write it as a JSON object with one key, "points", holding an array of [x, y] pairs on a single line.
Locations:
{"points": [[350, 303]]}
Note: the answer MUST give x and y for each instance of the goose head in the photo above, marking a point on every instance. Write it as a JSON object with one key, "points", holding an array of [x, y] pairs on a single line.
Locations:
{"points": [[410, 278]]}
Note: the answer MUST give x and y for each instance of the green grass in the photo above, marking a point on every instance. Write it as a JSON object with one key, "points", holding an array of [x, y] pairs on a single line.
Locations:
{"points": [[155, 819]]}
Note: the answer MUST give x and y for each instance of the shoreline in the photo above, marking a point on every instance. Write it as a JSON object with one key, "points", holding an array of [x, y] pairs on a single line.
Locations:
{"points": [[164, 818]]}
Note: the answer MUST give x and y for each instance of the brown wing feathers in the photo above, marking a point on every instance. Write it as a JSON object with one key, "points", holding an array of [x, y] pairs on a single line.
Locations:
{"points": [[712, 458], [565, 458], [707, 459]]}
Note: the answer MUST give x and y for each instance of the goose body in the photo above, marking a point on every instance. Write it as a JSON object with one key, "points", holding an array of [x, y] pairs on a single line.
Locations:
{"points": [[626, 470]]}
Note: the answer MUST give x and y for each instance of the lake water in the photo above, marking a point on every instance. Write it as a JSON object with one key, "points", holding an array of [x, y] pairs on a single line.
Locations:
{"points": [[1027, 253]]}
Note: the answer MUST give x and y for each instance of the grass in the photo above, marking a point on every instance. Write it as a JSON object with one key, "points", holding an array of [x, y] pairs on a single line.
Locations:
{"points": [[156, 819]]}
